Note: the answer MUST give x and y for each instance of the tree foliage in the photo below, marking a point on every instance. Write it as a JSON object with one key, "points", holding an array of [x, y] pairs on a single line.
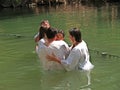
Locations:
{"points": [[13, 3]]}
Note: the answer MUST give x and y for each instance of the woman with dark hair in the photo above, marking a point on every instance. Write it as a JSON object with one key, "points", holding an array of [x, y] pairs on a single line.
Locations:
{"points": [[44, 25], [40, 36], [79, 55]]}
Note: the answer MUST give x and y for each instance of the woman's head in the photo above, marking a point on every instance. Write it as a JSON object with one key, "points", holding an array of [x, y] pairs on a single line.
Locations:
{"points": [[60, 35], [45, 24], [76, 34]]}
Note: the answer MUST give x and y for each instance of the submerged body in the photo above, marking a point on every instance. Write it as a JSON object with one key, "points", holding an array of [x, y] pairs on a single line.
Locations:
{"points": [[61, 50], [78, 58], [79, 55]]}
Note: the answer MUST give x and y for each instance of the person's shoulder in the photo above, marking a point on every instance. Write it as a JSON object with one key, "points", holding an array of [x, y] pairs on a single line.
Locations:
{"points": [[81, 45], [57, 44], [54, 44], [41, 42], [62, 42], [84, 43]]}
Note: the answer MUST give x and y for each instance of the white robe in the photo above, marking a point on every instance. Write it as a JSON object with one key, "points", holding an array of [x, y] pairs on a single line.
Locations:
{"points": [[78, 58], [59, 48]]}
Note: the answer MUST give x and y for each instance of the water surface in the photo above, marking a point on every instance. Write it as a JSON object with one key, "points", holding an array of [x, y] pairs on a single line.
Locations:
{"points": [[20, 68]]}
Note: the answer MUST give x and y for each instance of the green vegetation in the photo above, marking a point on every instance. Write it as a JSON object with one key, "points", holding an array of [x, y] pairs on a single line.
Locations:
{"points": [[26, 3], [13, 3]]}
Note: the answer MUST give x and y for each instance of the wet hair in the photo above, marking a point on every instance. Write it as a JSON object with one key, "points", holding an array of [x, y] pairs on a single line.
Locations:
{"points": [[62, 32], [42, 32], [44, 21], [75, 32], [51, 33]]}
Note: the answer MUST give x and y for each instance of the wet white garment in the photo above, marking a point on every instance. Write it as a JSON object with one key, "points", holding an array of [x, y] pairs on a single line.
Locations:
{"points": [[40, 44], [60, 50], [78, 58]]}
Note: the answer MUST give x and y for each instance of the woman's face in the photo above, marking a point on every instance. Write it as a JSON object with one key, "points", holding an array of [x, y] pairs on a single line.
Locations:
{"points": [[45, 25], [60, 36]]}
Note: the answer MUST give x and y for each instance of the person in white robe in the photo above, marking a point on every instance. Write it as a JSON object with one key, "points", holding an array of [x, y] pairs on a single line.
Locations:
{"points": [[52, 45], [79, 57], [43, 25]]}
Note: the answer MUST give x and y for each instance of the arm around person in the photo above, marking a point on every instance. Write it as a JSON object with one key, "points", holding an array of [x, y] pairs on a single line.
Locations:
{"points": [[71, 63]]}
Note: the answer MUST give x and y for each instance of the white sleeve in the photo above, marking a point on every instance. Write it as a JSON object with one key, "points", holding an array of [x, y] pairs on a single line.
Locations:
{"points": [[36, 35], [72, 61], [66, 49]]}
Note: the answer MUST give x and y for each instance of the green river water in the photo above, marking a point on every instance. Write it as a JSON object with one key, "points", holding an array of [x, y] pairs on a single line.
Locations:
{"points": [[20, 68]]}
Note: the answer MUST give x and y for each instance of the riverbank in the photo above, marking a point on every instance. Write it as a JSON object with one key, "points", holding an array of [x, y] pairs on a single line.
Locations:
{"points": [[31, 3]]}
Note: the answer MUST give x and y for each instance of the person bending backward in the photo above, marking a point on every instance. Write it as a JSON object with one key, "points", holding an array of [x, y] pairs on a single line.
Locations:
{"points": [[59, 47], [43, 25], [79, 55], [42, 40], [39, 37]]}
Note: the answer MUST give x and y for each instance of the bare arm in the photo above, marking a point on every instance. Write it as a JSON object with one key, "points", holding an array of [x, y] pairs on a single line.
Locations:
{"points": [[36, 37]]}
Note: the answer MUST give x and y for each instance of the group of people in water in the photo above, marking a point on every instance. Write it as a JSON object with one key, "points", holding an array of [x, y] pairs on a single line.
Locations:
{"points": [[55, 54]]}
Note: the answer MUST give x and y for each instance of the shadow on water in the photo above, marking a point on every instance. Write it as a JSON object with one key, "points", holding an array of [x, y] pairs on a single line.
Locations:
{"points": [[7, 13]]}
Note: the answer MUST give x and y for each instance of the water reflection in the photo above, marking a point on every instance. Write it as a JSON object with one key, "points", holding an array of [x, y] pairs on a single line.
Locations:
{"points": [[100, 7], [7, 13], [39, 10], [94, 21], [62, 80]]}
